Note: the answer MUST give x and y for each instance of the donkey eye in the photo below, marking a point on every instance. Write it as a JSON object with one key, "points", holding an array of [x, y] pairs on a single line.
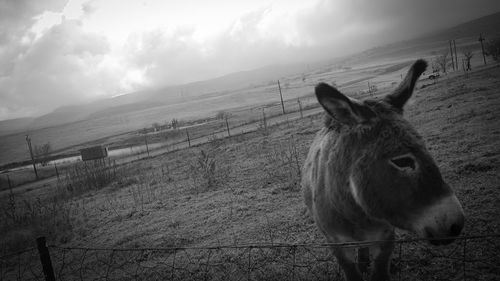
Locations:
{"points": [[403, 162]]}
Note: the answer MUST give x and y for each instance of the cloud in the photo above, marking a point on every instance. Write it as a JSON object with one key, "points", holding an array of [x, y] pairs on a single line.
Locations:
{"points": [[61, 67], [271, 34], [179, 57], [375, 22], [17, 16], [44, 65]]}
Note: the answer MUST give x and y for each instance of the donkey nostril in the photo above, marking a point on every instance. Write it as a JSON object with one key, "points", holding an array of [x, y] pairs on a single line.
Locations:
{"points": [[455, 229]]}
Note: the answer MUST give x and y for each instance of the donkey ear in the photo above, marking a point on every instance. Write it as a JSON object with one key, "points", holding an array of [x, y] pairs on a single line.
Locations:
{"points": [[340, 107], [403, 92]]}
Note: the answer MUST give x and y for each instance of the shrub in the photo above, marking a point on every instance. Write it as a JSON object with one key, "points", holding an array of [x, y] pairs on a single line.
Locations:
{"points": [[88, 175], [284, 163], [492, 49], [42, 153]]}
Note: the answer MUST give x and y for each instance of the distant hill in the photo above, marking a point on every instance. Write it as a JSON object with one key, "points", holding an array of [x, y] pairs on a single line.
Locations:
{"points": [[487, 25], [143, 100], [466, 35], [12, 126], [423, 46]]}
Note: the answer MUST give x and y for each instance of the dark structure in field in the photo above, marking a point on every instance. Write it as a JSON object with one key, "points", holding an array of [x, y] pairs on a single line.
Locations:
{"points": [[94, 152]]}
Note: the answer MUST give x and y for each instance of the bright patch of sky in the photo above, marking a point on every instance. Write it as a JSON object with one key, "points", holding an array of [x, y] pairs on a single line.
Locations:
{"points": [[60, 52]]}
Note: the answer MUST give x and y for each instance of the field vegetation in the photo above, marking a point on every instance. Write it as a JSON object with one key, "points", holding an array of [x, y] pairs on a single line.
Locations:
{"points": [[245, 188]]}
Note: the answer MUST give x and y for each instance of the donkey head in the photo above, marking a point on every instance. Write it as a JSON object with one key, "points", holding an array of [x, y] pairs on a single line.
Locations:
{"points": [[389, 172]]}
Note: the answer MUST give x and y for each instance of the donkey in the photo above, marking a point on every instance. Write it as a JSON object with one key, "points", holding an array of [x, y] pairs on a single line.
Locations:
{"points": [[368, 171]]}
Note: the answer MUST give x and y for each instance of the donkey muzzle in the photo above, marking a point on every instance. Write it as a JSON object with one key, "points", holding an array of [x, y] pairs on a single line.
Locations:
{"points": [[441, 222]]}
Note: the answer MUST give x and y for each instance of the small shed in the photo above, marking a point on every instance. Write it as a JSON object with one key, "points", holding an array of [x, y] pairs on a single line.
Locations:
{"points": [[94, 152]]}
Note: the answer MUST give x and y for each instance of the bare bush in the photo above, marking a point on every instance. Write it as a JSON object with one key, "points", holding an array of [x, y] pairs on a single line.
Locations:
{"points": [[42, 153], [221, 115], [442, 61], [89, 175], [30, 217], [492, 48], [205, 166], [468, 54], [156, 126], [284, 161], [174, 123], [208, 171]]}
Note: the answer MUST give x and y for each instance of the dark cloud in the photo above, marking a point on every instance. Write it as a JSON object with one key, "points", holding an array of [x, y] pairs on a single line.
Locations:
{"points": [[328, 29], [67, 64], [59, 68], [386, 20], [16, 16]]}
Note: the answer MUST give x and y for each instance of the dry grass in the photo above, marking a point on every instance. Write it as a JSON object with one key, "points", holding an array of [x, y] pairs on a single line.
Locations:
{"points": [[157, 203]]}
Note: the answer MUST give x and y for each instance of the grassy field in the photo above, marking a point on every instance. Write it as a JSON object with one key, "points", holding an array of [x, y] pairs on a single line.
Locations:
{"points": [[245, 189], [244, 105]]}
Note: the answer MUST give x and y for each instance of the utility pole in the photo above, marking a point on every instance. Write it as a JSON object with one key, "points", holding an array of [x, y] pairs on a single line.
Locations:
{"points": [[28, 140], [456, 57], [281, 97], [451, 52], [481, 39]]}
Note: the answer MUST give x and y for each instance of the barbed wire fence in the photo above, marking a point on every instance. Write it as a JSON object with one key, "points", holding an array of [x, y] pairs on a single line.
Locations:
{"points": [[468, 258], [236, 122]]}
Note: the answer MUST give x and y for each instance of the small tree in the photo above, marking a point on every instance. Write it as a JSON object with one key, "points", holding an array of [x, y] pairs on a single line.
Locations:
{"points": [[156, 126], [175, 123], [42, 153], [221, 115], [492, 49], [467, 56], [442, 61]]}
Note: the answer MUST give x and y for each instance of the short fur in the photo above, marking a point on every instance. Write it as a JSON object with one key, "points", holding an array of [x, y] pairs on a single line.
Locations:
{"points": [[353, 190]]}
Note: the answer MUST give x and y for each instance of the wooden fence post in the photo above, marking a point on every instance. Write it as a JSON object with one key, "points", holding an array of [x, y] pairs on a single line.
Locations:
{"points": [[146, 141], [300, 109], [48, 271], [281, 97], [188, 139], [227, 126], [264, 119], [57, 171]]}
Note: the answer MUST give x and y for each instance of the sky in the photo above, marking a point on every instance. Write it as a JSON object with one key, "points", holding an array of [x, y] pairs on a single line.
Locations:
{"points": [[62, 52]]}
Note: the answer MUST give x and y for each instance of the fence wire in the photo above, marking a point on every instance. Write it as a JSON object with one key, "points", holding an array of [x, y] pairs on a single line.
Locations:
{"points": [[468, 258]]}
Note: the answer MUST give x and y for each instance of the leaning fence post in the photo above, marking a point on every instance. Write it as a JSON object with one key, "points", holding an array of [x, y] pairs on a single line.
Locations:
{"points": [[227, 126], [57, 171], [48, 271]]}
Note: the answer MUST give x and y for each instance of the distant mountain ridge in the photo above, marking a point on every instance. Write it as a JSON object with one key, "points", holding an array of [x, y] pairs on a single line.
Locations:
{"points": [[11, 126], [171, 95]]}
